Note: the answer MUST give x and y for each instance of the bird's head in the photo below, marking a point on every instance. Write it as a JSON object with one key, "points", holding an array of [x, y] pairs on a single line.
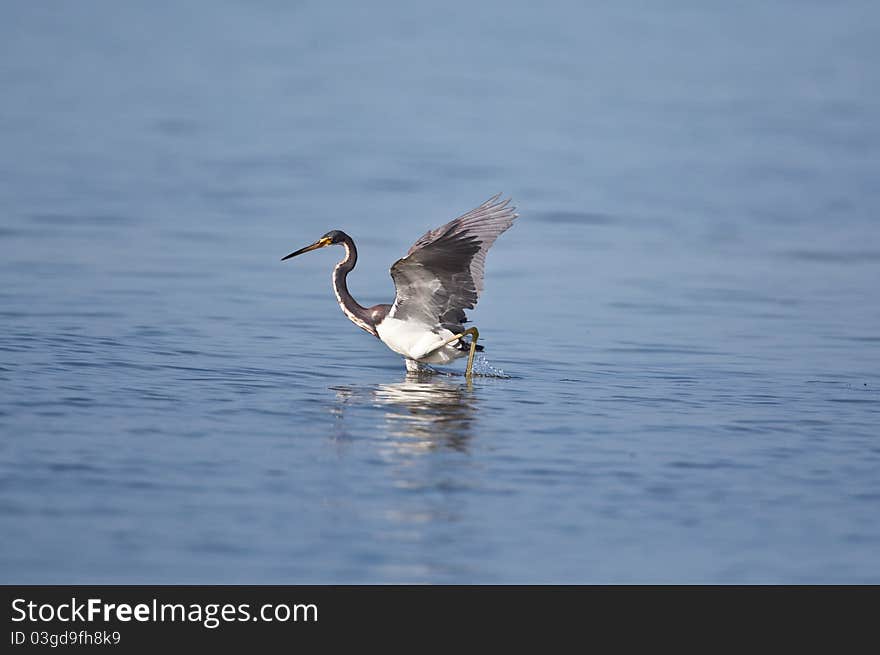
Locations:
{"points": [[333, 236]]}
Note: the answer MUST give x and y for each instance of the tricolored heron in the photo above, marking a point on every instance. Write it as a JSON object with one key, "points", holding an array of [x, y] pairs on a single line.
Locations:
{"points": [[440, 277]]}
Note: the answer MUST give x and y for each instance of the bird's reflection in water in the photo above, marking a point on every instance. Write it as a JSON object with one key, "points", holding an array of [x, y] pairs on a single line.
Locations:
{"points": [[421, 413]]}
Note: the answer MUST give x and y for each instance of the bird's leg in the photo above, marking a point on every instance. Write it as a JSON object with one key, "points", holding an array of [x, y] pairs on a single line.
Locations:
{"points": [[417, 368], [475, 334]]}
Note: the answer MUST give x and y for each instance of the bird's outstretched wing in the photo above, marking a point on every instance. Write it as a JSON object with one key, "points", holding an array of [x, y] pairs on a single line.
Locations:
{"points": [[442, 274]]}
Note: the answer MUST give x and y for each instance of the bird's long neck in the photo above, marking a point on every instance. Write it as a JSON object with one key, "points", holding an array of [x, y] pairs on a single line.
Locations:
{"points": [[358, 315]]}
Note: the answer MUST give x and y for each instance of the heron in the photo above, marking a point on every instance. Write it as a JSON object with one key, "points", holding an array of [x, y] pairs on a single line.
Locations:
{"points": [[435, 282]]}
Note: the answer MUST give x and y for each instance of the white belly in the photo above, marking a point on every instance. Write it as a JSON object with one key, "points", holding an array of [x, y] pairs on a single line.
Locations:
{"points": [[417, 341]]}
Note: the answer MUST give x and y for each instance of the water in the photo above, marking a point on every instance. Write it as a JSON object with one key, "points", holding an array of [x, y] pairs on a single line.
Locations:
{"points": [[686, 311]]}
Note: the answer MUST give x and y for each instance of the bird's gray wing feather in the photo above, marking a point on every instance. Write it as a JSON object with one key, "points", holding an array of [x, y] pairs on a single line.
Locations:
{"points": [[442, 274]]}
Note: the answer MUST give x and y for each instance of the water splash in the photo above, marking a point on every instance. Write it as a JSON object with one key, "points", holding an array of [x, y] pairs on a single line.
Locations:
{"points": [[483, 368]]}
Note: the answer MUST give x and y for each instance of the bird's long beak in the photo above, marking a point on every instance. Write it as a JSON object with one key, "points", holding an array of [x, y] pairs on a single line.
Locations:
{"points": [[320, 243]]}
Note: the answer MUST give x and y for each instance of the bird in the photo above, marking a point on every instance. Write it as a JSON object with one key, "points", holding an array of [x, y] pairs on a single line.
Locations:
{"points": [[435, 282]]}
